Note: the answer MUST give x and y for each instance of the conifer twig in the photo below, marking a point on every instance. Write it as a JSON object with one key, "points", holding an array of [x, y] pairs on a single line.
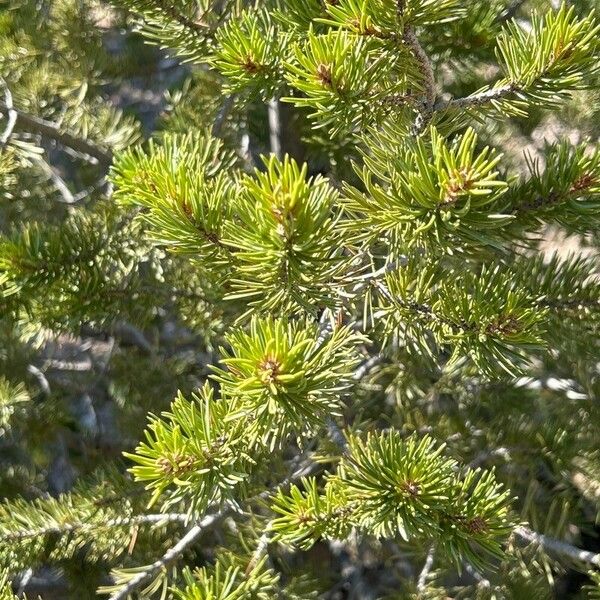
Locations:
{"points": [[482, 582], [336, 435], [526, 534], [129, 334], [365, 367], [41, 379], [425, 65], [50, 130], [23, 581]]}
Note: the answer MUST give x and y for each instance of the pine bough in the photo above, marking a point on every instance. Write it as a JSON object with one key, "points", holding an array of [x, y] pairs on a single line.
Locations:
{"points": [[424, 260]]}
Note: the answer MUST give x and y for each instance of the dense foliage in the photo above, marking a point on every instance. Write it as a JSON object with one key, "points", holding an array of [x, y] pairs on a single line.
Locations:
{"points": [[299, 299]]}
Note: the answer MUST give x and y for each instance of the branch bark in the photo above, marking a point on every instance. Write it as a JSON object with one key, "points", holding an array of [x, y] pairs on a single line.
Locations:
{"points": [[171, 555], [198, 27], [222, 114], [558, 547], [258, 554], [59, 183], [510, 11], [51, 131], [11, 115], [274, 127], [150, 519], [426, 68], [424, 574], [479, 99]]}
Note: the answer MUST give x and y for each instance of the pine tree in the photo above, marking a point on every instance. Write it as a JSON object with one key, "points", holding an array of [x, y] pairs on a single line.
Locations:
{"points": [[307, 315]]}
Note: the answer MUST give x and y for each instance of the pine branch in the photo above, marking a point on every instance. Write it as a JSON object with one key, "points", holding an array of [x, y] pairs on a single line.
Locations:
{"points": [[428, 76], [426, 68], [279, 241], [274, 127], [425, 65], [552, 199], [478, 99], [424, 574], [549, 544], [11, 115], [174, 553], [259, 552], [47, 129], [85, 526], [510, 11], [556, 56], [222, 114], [558, 547], [59, 183], [569, 304], [170, 11], [369, 279], [171, 555], [420, 309]]}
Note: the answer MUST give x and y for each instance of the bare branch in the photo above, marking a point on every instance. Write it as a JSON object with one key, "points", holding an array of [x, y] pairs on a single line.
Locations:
{"points": [[371, 278], [479, 99], [197, 26], [426, 69], [510, 11], [424, 63], [558, 547], [366, 367], [59, 183], [336, 435], [51, 131], [41, 378], [24, 581], [11, 115], [261, 550], [171, 555], [129, 334], [64, 528], [221, 117], [275, 127], [483, 457], [424, 574], [482, 582]]}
